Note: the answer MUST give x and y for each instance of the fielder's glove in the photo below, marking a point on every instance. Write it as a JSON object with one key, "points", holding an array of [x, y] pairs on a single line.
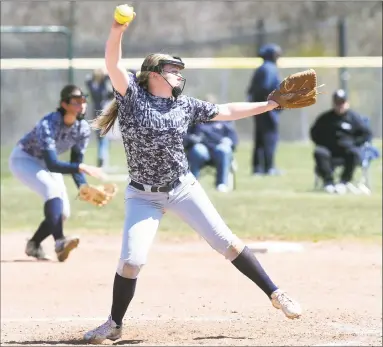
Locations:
{"points": [[296, 91], [97, 195]]}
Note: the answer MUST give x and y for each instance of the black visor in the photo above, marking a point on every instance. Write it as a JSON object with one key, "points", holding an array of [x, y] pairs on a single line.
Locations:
{"points": [[177, 61]]}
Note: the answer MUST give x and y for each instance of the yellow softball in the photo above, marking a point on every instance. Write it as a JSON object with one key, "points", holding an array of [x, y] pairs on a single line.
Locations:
{"points": [[123, 14]]}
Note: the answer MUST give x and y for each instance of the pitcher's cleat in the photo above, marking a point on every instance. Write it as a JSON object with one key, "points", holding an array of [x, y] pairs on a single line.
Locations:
{"points": [[64, 246], [282, 301], [107, 331], [36, 251]]}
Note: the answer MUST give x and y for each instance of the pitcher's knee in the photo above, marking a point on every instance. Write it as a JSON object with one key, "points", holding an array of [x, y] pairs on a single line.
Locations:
{"points": [[231, 248], [128, 269], [235, 249]]}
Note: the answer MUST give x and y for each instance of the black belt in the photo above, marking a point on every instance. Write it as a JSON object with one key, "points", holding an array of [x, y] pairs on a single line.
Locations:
{"points": [[156, 189]]}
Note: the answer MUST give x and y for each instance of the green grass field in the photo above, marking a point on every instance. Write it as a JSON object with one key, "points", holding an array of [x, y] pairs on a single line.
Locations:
{"points": [[284, 207]]}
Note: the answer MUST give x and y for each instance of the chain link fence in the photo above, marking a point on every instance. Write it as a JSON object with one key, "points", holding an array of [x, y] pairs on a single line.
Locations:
{"points": [[27, 95]]}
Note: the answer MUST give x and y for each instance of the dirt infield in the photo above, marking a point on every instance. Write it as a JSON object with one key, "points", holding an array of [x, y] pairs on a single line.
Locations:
{"points": [[190, 295]]}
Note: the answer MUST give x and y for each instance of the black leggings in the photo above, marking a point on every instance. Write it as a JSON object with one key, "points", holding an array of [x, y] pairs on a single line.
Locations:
{"points": [[323, 159]]}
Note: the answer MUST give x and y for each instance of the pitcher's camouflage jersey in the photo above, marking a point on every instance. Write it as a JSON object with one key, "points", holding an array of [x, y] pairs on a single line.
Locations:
{"points": [[153, 129]]}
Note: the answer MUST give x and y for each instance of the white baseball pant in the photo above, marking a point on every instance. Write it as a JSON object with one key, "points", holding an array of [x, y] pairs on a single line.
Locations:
{"points": [[33, 173], [143, 213]]}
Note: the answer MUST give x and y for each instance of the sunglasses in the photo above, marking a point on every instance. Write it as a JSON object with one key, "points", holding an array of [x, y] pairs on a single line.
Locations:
{"points": [[77, 101]]}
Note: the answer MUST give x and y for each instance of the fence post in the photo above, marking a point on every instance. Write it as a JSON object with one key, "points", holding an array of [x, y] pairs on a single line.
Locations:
{"points": [[304, 125], [225, 81], [380, 120], [342, 51], [70, 41], [260, 37]]}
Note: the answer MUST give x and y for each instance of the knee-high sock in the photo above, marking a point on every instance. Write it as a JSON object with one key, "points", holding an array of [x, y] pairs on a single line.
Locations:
{"points": [[248, 264], [123, 292], [53, 210], [41, 233]]}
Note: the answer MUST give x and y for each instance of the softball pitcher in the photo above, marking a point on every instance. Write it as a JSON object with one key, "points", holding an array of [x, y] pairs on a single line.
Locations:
{"points": [[154, 116], [34, 161]]}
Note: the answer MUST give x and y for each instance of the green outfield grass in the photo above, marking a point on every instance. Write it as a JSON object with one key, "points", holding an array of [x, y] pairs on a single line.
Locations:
{"points": [[284, 207]]}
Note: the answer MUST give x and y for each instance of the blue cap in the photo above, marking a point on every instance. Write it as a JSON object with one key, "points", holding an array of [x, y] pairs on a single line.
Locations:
{"points": [[339, 96], [269, 50]]}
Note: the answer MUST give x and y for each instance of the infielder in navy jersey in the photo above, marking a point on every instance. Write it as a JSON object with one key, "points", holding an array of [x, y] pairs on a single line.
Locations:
{"points": [[34, 161], [154, 116]]}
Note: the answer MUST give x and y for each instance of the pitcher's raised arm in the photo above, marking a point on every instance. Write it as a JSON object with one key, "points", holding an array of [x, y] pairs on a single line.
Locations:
{"points": [[117, 73]]}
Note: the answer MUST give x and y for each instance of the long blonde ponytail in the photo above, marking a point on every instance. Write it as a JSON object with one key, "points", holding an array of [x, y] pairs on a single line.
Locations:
{"points": [[105, 121]]}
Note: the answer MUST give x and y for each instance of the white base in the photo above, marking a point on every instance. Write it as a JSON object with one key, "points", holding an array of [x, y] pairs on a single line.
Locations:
{"points": [[275, 247]]}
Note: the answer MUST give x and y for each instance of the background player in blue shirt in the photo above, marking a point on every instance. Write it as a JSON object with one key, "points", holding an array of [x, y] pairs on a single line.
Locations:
{"points": [[265, 80]]}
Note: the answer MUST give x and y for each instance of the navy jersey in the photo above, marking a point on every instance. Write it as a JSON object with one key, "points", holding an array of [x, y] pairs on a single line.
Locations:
{"points": [[152, 130], [211, 134], [50, 133], [265, 80]]}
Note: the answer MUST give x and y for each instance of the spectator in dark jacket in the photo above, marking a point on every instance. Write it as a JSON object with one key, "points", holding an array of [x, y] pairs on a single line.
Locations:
{"points": [[264, 81], [212, 142], [339, 133]]}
